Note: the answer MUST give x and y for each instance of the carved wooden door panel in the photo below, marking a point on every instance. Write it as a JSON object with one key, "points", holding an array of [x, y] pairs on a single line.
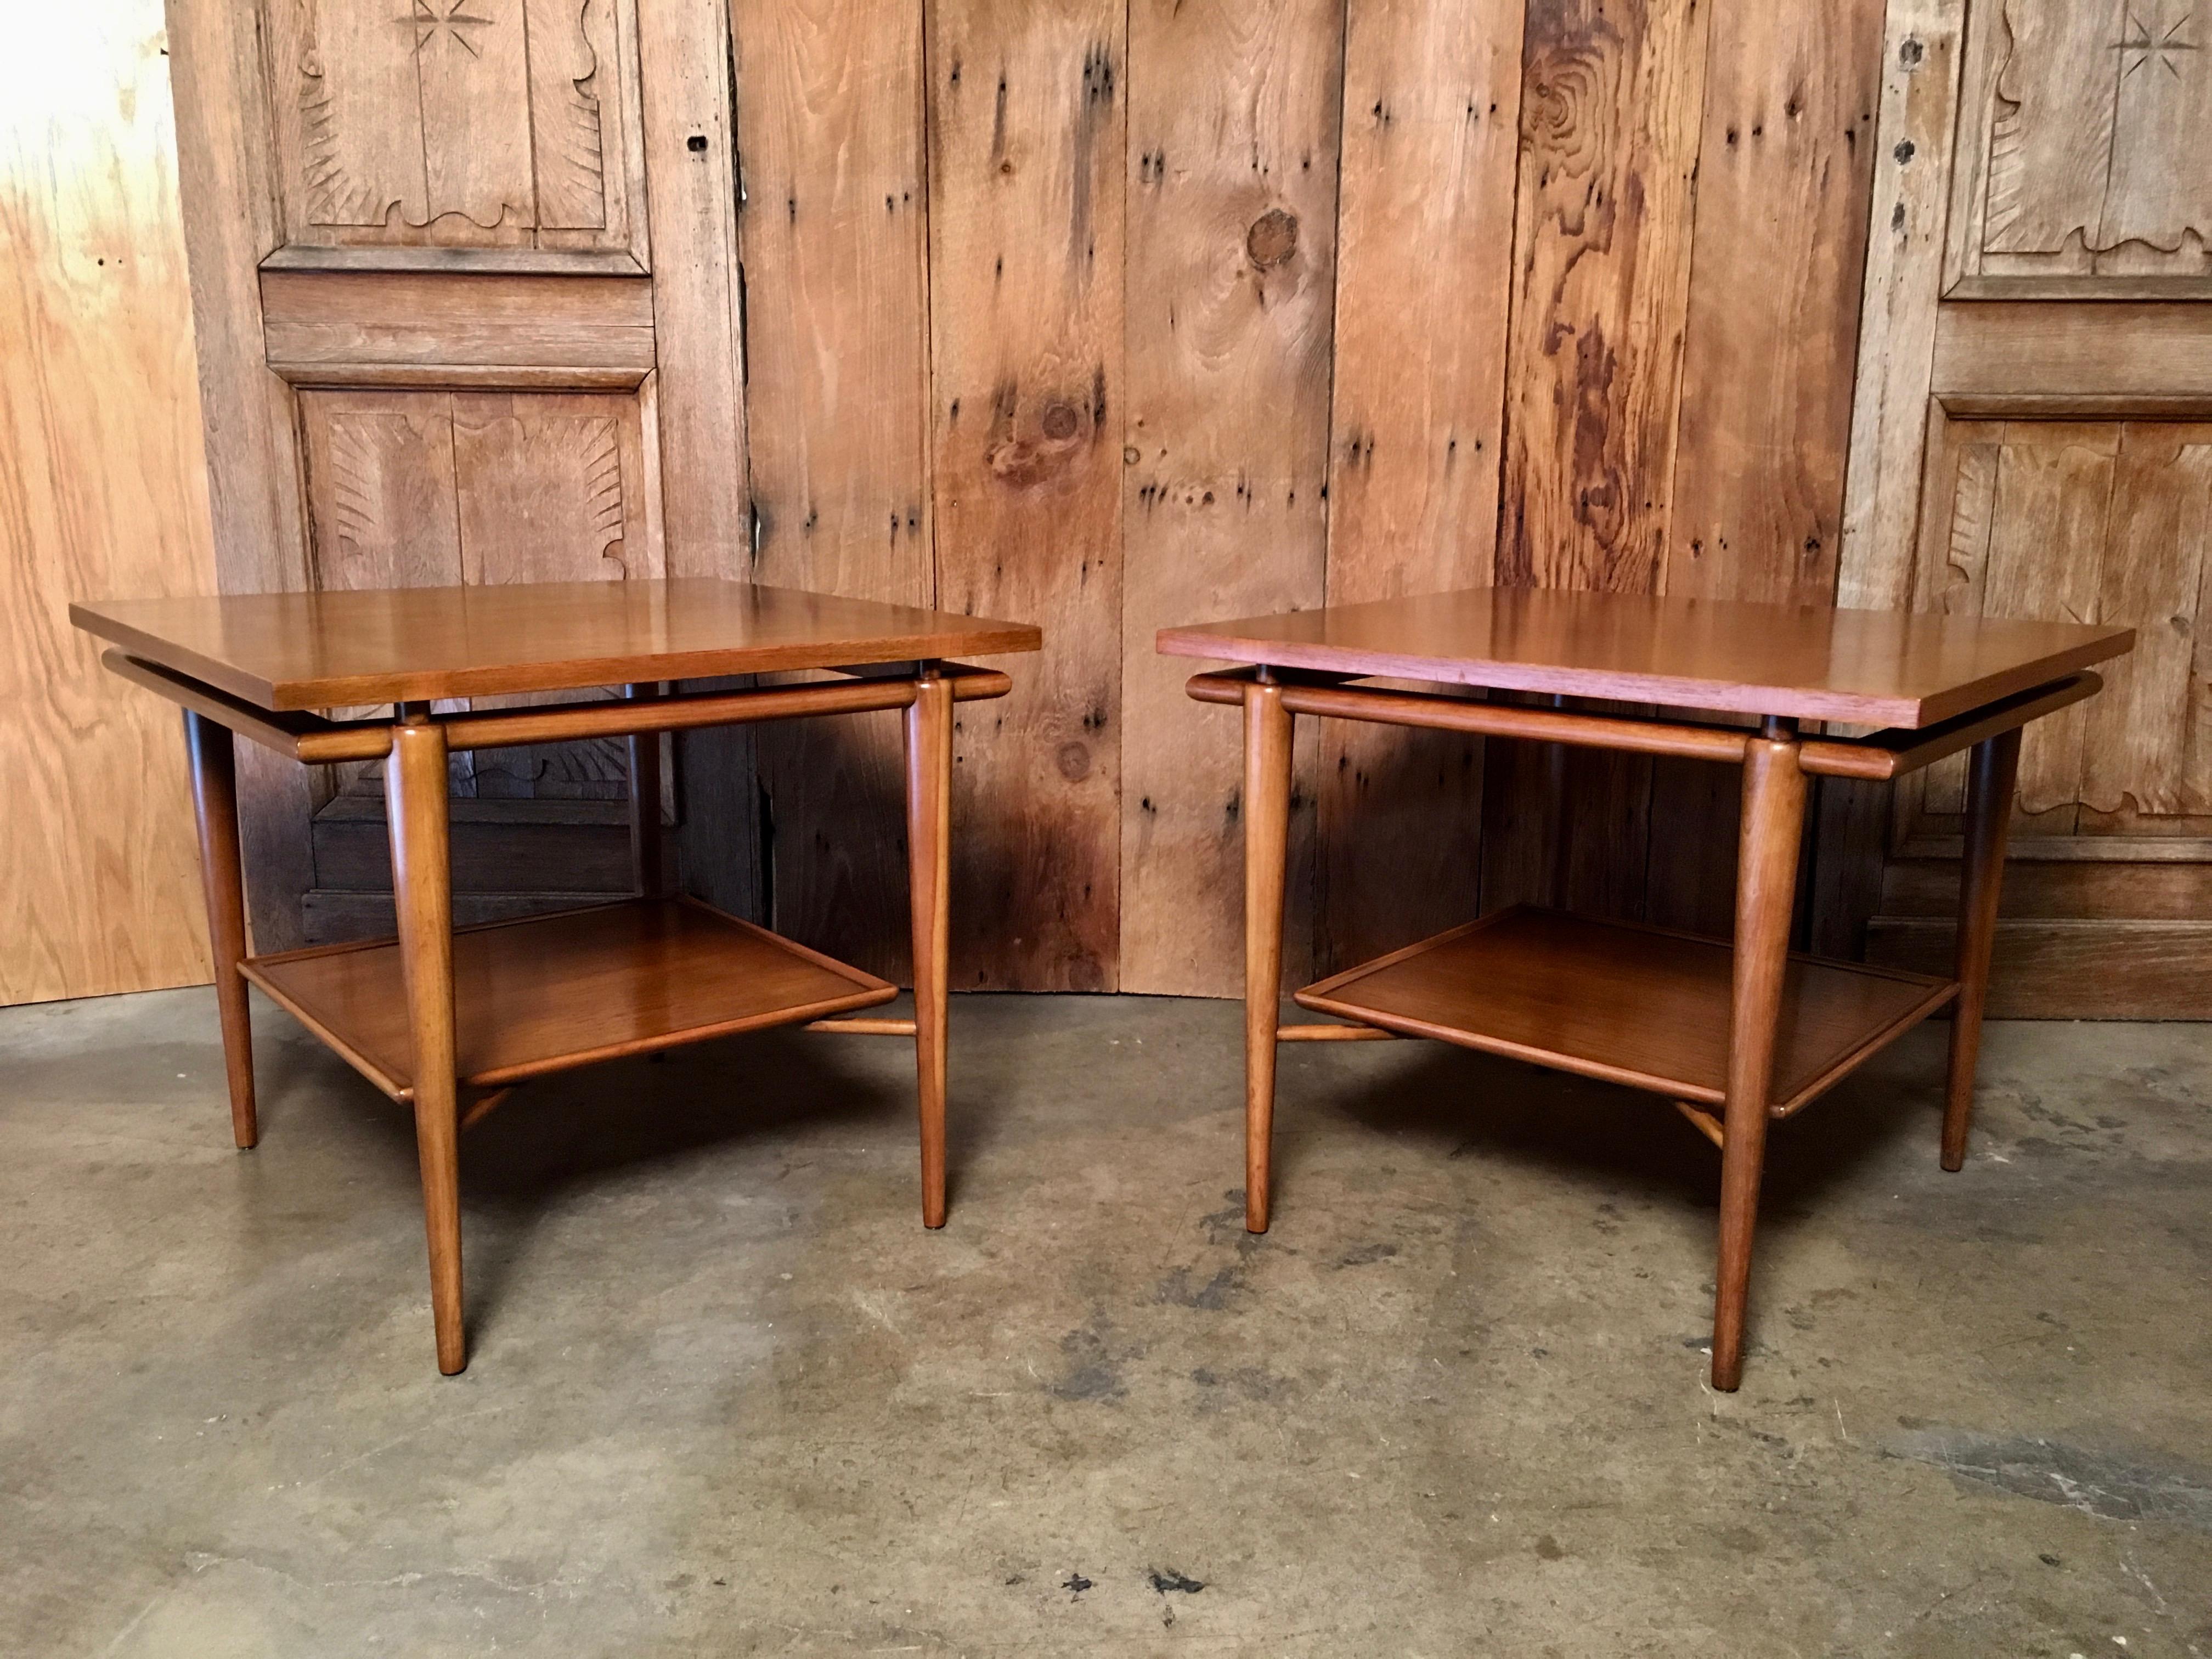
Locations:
{"points": [[465, 292], [2032, 435]]}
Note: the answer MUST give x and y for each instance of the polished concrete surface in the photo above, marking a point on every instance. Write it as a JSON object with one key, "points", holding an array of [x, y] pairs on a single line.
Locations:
{"points": [[727, 1396]]}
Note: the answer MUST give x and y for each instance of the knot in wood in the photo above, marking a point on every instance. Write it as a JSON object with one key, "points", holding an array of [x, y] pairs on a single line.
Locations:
{"points": [[1273, 238]]}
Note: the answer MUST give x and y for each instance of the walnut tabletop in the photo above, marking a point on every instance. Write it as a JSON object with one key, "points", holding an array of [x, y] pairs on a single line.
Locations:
{"points": [[1869, 667], [322, 650]]}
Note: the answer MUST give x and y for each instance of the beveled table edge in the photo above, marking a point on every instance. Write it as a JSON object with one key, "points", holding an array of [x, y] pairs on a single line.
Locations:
{"points": [[1727, 697], [989, 637]]}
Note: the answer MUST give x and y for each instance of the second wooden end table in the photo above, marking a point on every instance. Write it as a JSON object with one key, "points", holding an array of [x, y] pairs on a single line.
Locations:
{"points": [[448, 1022], [1749, 1029]]}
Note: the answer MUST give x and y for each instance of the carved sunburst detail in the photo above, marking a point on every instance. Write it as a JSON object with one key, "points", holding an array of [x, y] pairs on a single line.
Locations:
{"points": [[2154, 41], [449, 19]]}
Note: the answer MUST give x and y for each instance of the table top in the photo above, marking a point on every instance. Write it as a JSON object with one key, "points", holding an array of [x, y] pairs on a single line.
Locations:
{"points": [[324, 650], [1868, 667]]}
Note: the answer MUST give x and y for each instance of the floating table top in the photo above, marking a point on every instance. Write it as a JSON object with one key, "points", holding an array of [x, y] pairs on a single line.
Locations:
{"points": [[331, 649], [1869, 667]]}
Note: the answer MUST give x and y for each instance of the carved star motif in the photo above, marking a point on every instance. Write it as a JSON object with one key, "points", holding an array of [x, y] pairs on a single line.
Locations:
{"points": [[2147, 42], [449, 19]]}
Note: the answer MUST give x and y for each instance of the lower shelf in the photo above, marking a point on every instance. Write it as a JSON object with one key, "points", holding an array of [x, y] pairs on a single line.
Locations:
{"points": [[1633, 1005], [552, 992]]}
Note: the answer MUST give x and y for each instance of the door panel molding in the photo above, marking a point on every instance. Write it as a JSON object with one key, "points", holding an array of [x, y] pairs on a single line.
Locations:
{"points": [[494, 125], [2032, 434], [419, 329], [432, 348], [2084, 125]]}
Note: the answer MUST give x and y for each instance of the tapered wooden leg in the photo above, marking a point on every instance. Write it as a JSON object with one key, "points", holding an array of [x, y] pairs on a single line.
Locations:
{"points": [[1266, 839], [1991, 781], [928, 842], [422, 882], [1766, 883], [645, 804], [215, 803]]}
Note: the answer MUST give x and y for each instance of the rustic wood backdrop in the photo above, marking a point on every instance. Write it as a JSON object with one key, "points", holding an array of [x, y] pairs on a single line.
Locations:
{"points": [[1113, 315], [1108, 313], [103, 489]]}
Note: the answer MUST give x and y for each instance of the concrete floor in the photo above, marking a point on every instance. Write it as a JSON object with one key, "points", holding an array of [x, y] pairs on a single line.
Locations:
{"points": [[728, 1397]]}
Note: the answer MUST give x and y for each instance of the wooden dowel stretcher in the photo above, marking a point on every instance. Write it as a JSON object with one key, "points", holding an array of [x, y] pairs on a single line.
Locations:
{"points": [[313, 739], [1885, 755], [862, 1027]]}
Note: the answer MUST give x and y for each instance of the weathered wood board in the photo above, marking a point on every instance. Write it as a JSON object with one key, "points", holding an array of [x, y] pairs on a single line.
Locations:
{"points": [[833, 243], [1431, 107], [1027, 136], [1231, 188]]}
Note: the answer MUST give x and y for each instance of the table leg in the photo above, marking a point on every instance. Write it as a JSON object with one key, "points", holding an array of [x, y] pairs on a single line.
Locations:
{"points": [[928, 841], [1766, 882], [421, 880], [645, 804], [1266, 839], [214, 804], [1991, 782]]}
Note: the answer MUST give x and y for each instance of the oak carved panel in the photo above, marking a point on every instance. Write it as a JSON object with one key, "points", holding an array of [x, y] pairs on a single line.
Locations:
{"points": [[2086, 128], [425, 489], [2103, 521], [457, 123]]}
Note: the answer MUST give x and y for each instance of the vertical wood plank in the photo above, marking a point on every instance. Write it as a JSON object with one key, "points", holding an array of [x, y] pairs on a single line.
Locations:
{"points": [[831, 237], [1785, 174], [1891, 411], [229, 197], [1611, 108], [1610, 112], [1025, 209], [699, 407], [1432, 106], [1897, 319], [1234, 114], [698, 391]]}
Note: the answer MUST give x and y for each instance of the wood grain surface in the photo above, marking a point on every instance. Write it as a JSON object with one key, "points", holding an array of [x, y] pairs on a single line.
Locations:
{"points": [[1610, 109], [1638, 1006], [227, 183], [1784, 177], [531, 997], [1618, 247], [1783, 181], [1890, 409], [1232, 163], [1866, 666], [1431, 109], [97, 362], [1027, 130], [833, 239], [288, 651]]}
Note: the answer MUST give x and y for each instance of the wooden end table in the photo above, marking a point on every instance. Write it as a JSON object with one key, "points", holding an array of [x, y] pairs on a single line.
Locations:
{"points": [[449, 1022], [1747, 1029]]}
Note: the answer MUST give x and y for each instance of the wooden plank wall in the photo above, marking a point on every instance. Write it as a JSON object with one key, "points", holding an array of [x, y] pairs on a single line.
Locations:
{"points": [[1109, 313], [97, 362], [1026, 231], [1432, 106], [832, 243], [1112, 314]]}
